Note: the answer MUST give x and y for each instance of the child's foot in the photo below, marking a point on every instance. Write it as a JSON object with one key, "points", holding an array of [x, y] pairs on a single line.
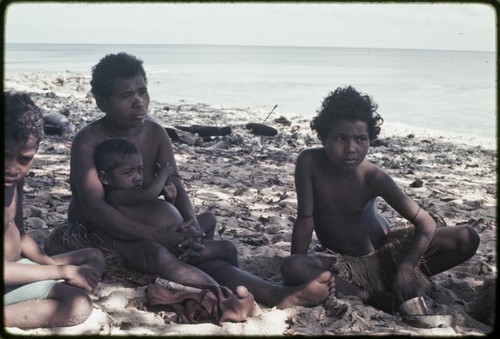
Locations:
{"points": [[308, 294]]}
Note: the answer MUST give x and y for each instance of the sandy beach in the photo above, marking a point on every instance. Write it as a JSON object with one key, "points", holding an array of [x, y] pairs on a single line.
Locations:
{"points": [[246, 180]]}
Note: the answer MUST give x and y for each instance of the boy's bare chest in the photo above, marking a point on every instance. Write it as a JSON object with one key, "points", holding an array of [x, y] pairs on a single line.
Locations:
{"points": [[341, 195]]}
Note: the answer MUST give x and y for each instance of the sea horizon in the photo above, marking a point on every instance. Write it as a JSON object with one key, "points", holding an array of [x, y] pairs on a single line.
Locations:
{"points": [[256, 46], [446, 90]]}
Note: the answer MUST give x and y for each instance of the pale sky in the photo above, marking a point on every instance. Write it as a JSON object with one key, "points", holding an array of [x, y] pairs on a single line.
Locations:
{"points": [[466, 26]]}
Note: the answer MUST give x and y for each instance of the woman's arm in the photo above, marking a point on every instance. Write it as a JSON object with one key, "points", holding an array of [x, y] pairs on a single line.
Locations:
{"points": [[166, 155]]}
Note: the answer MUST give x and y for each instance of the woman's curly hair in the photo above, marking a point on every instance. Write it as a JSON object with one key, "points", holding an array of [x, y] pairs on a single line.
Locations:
{"points": [[347, 103], [112, 67]]}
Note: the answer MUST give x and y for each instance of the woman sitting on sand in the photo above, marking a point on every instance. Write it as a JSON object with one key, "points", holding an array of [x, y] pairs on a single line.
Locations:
{"points": [[119, 85]]}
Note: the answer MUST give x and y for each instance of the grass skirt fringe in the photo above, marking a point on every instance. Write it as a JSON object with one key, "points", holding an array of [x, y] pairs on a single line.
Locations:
{"points": [[73, 236], [375, 272]]}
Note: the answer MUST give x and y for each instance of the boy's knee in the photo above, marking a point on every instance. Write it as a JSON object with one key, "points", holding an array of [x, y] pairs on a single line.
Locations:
{"points": [[290, 265], [472, 240], [96, 257]]}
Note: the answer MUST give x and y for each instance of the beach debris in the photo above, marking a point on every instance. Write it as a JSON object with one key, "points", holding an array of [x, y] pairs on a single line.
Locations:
{"points": [[417, 183], [453, 182], [179, 135], [55, 124], [261, 129], [283, 121], [206, 131], [173, 286], [270, 113], [334, 307]]}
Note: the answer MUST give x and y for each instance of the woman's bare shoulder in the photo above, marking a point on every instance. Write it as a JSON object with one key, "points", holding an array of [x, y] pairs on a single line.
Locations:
{"points": [[89, 131], [152, 126]]}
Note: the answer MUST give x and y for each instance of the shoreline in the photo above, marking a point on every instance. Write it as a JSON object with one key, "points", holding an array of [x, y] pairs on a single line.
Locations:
{"points": [[247, 182], [77, 84]]}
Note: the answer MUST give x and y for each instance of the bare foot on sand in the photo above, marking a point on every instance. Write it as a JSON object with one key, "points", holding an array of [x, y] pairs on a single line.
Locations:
{"points": [[308, 294], [247, 297]]}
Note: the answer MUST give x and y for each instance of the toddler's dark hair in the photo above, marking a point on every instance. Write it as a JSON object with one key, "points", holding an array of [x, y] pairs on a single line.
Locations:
{"points": [[347, 103], [23, 119], [111, 153], [112, 67]]}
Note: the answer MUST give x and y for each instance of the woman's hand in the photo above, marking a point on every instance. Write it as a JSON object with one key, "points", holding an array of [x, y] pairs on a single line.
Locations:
{"points": [[183, 237]]}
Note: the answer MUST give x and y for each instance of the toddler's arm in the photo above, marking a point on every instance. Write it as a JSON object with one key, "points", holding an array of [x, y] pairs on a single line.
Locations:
{"points": [[152, 191]]}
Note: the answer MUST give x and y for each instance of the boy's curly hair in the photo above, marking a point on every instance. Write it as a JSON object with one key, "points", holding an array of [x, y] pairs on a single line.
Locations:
{"points": [[347, 103], [112, 67], [23, 119]]}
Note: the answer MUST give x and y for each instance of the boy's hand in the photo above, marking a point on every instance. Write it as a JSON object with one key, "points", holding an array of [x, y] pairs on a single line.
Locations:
{"points": [[81, 276], [404, 287]]}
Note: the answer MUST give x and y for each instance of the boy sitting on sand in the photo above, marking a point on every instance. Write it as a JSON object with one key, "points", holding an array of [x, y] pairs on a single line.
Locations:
{"points": [[119, 165], [40, 291], [337, 188]]}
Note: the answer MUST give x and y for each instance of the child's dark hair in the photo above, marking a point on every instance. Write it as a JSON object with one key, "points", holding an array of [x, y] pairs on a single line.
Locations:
{"points": [[111, 153], [347, 103], [112, 67], [23, 119]]}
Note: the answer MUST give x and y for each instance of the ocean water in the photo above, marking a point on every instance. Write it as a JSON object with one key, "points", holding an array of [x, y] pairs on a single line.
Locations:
{"points": [[453, 91]]}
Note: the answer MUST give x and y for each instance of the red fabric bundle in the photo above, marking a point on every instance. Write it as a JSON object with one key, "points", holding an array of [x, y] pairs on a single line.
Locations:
{"points": [[213, 303]]}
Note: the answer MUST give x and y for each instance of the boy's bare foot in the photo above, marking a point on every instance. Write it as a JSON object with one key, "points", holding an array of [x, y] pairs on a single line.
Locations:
{"points": [[308, 294]]}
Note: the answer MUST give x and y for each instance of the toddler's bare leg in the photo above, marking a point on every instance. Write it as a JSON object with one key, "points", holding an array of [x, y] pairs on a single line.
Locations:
{"points": [[65, 306]]}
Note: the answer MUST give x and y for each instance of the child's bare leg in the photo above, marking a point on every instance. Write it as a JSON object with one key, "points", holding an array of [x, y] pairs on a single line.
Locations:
{"points": [[218, 249], [153, 258], [65, 306], [450, 247], [207, 223], [311, 293]]}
